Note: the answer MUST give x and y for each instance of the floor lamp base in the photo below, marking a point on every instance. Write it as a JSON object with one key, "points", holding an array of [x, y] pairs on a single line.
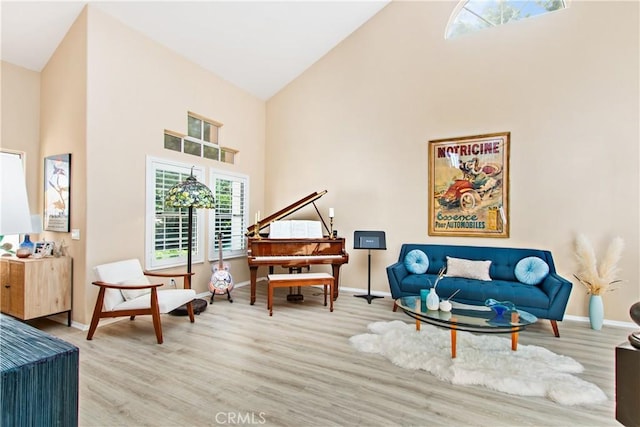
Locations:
{"points": [[369, 297]]}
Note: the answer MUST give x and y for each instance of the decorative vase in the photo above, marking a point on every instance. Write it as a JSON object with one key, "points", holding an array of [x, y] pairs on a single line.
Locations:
{"points": [[596, 312], [27, 244], [23, 253], [433, 301], [445, 305], [423, 300]]}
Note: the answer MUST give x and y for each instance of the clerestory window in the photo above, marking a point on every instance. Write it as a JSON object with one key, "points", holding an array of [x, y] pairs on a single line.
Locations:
{"points": [[201, 140], [474, 15]]}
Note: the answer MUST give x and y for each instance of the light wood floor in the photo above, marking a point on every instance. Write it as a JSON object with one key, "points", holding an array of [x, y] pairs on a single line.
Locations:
{"points": [[237, 366]]}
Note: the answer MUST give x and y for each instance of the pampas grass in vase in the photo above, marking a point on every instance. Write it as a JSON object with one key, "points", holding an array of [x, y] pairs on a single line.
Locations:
{"points": [[598, 279]]}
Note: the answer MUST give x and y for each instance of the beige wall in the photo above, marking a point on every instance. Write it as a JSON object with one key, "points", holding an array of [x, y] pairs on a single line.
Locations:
{"points": [[565, 85], [20, 129], [63, 111], [135, 90]]}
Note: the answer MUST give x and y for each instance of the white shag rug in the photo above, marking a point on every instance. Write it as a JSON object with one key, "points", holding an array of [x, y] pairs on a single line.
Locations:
{"points": [[484, 360]]}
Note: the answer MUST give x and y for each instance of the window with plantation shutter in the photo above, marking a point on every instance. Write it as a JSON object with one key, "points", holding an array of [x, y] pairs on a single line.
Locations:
{"points": [[231, 192], [167, 227]]}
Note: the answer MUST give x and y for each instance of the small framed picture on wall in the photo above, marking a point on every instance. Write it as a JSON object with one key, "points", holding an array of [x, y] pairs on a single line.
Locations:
{"points": [[57, 192]]}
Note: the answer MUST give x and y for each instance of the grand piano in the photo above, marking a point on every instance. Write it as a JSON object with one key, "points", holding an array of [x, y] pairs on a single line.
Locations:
{"points": [[293, 253]]}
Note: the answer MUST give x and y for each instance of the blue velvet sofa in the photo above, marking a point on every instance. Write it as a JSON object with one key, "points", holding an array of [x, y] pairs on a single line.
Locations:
{"points": [[546, 300]]}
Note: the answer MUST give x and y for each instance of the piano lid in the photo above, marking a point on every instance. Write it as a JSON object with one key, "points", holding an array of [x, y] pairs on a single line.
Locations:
{"points": [[311, 198]]}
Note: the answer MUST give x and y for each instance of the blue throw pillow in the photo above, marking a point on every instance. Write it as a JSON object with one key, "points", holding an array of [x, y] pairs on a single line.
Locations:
{"points": [[416, 262], [531, 270]]}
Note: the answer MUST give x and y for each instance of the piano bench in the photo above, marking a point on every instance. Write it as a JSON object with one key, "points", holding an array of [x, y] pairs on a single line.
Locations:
{"points": [[300, 279]]}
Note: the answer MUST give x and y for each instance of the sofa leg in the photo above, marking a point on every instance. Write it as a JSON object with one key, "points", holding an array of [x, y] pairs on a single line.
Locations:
{"points": [[554, 325], [395, 307]]}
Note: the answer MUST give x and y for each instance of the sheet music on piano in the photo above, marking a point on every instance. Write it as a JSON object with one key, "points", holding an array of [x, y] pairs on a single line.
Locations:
{"points": [[296, 229], [294, 244]]}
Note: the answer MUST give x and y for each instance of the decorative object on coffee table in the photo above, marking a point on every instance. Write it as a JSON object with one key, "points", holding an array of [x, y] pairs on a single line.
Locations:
{"points": [[500, 308], [598, 279], [433, 300], [634, 312]]}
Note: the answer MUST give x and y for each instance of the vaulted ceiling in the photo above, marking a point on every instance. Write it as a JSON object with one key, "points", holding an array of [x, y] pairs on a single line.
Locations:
{"points": [[259, 46]]}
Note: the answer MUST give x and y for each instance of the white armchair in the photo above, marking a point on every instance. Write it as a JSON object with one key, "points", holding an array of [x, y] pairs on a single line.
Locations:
{"points": [[126, 291]]}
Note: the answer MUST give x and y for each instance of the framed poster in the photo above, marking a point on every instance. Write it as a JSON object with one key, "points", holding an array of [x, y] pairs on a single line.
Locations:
{"points": [[57, 190], [469, 186]]}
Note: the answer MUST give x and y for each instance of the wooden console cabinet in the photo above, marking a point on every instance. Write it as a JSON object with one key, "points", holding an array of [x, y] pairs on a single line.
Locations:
{"points": [[35, 287]]}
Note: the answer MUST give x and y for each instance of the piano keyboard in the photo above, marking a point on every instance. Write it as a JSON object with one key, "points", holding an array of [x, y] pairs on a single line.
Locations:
{"points": [[294, 257]]}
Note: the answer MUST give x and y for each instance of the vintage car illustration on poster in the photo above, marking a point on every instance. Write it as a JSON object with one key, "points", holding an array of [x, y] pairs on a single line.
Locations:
{"points": [[478, 183]]}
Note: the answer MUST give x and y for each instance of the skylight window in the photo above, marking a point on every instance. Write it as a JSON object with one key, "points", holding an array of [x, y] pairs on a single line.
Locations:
{"points": [[475, 15]]}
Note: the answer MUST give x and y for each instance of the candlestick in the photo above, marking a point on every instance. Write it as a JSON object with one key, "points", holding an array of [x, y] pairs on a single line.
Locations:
{"points": [[331, 225]]}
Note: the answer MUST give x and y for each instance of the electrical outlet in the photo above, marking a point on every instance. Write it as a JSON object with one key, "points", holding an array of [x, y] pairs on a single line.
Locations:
{"points": [[75, 234]]}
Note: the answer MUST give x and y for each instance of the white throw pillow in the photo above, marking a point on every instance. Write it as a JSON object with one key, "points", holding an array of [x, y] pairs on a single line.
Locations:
{"points": [[135, 293], [457, 267]]}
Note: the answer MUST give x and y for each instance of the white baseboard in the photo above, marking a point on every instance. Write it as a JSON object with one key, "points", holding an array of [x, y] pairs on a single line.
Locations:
{"points": [[616, 323]]}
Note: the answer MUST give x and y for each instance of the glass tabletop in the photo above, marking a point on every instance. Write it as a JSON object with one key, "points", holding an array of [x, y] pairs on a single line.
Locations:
{"points": [[468, 317]]}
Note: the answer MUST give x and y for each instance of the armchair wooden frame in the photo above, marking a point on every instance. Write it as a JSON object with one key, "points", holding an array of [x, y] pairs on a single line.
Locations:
{"points": [[153, 310]]}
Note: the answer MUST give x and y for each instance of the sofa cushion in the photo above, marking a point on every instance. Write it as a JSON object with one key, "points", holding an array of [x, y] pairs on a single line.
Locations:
{"points": [[469, 269], [531, 270], [416, 262]]}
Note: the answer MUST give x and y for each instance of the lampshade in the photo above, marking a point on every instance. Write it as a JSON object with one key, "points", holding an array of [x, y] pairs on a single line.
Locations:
{"points": [[36, 224], [15, 217], [190, 193]]}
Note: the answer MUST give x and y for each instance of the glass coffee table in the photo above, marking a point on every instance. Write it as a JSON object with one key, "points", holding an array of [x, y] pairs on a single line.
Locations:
{"points": [[470, 318]]}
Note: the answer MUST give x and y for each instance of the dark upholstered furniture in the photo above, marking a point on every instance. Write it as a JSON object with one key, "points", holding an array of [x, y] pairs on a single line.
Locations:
{"points": [[546, 300], [38, 377]]}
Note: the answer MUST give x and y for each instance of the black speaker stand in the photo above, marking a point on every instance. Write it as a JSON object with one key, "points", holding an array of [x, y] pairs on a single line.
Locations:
{"points": [[368, 295]]}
